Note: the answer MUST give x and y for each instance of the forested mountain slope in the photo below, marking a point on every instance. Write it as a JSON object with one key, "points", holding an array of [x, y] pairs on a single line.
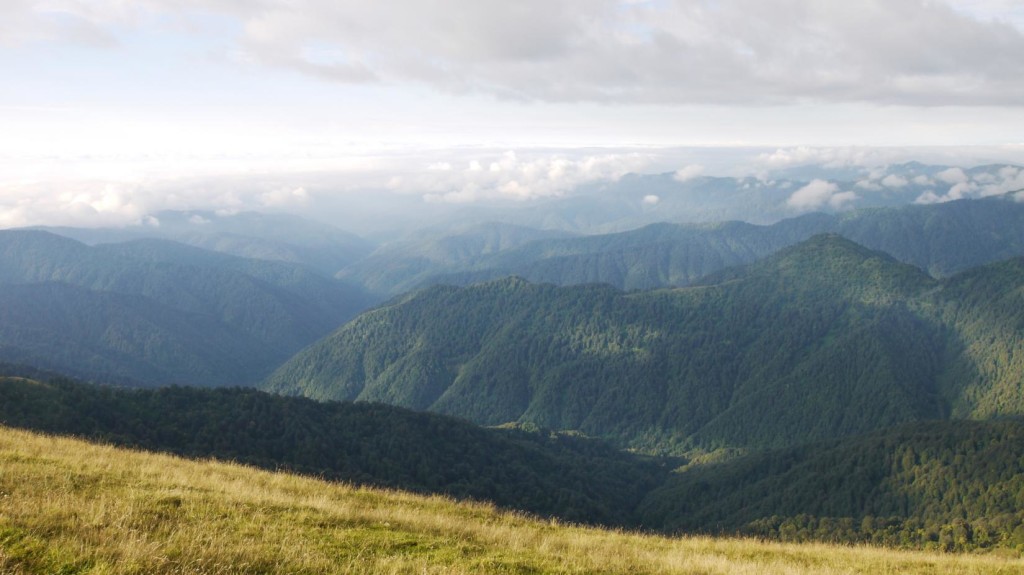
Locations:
{"points": [[954, 485], [949, 485], [570, 477], [824, 339], [157, 312]]}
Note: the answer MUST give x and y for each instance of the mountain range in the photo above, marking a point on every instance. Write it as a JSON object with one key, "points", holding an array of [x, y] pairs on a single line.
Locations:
{"points": [[940, 238], [821, 340], [852, 375], [155, 312]]}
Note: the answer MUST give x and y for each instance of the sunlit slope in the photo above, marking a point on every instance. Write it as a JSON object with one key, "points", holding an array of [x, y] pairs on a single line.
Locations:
{"points": [[371, 444], [823, 339], [70, 507]]}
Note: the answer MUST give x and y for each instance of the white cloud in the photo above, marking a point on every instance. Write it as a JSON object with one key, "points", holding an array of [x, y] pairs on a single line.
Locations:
{"points": [[651, 200], [816, 194], [1005, 180], [842, 200], [516, 176], [827, 157], [732, 51], [102, 204], [929, 197], [688, 173], [952, 176], [284, 197], [894, 181]]}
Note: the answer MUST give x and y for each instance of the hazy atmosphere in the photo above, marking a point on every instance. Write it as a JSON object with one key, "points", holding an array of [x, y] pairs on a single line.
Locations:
{"points": [[116, 109], [538, 286]]}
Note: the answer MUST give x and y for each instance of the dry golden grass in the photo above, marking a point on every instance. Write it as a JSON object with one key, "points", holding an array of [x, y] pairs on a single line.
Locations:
{"points": [[72, 507]]}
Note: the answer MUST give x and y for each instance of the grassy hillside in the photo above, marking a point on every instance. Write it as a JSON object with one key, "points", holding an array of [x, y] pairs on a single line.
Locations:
{"points": [[71, 507], [951, 485], [541, 472]]}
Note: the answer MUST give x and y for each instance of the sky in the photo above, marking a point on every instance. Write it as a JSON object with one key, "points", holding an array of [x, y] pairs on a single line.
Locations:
{"points": [[113, 108]]}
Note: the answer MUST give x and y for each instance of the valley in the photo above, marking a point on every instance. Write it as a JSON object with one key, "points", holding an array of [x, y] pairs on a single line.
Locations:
{"points": [[842, 378]]}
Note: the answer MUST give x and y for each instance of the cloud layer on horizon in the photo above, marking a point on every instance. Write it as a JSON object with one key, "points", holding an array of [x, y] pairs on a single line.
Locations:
{"points": [[727, 52]]}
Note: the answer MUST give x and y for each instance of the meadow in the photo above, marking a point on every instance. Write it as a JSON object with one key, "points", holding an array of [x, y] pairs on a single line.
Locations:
{"points": [[68, 506]]}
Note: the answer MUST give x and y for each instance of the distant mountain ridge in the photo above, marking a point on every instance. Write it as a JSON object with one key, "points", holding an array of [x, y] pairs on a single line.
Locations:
{"points": [[941, 238], [253, 235], [156, 312]]}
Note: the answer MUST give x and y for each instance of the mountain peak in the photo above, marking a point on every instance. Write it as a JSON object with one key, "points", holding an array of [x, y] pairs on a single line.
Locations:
{"points": [[831, 262]]}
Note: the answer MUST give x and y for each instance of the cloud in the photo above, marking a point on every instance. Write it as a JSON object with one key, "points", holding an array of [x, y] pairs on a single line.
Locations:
{"points": [[952, 176], [514, 176], [983, 184], [894, 181], [827, 157], [911, 52], [284, 197], [81, 23], [115, 204], [818, 194], [651, 200], [842, 200], [688, 173]]}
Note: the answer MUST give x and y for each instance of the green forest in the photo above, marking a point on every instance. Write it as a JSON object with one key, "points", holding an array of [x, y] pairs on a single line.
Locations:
{"points": [[825, 339], [947, 485], [539, 471]]}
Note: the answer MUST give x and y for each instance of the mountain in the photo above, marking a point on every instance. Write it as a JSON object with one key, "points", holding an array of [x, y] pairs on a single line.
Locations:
{"points": [[824, 339], [401, 265], [945, 485], [121, 338], [658, 255], [549, 474], [262, 236], [157, 312], [942, 238]]}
